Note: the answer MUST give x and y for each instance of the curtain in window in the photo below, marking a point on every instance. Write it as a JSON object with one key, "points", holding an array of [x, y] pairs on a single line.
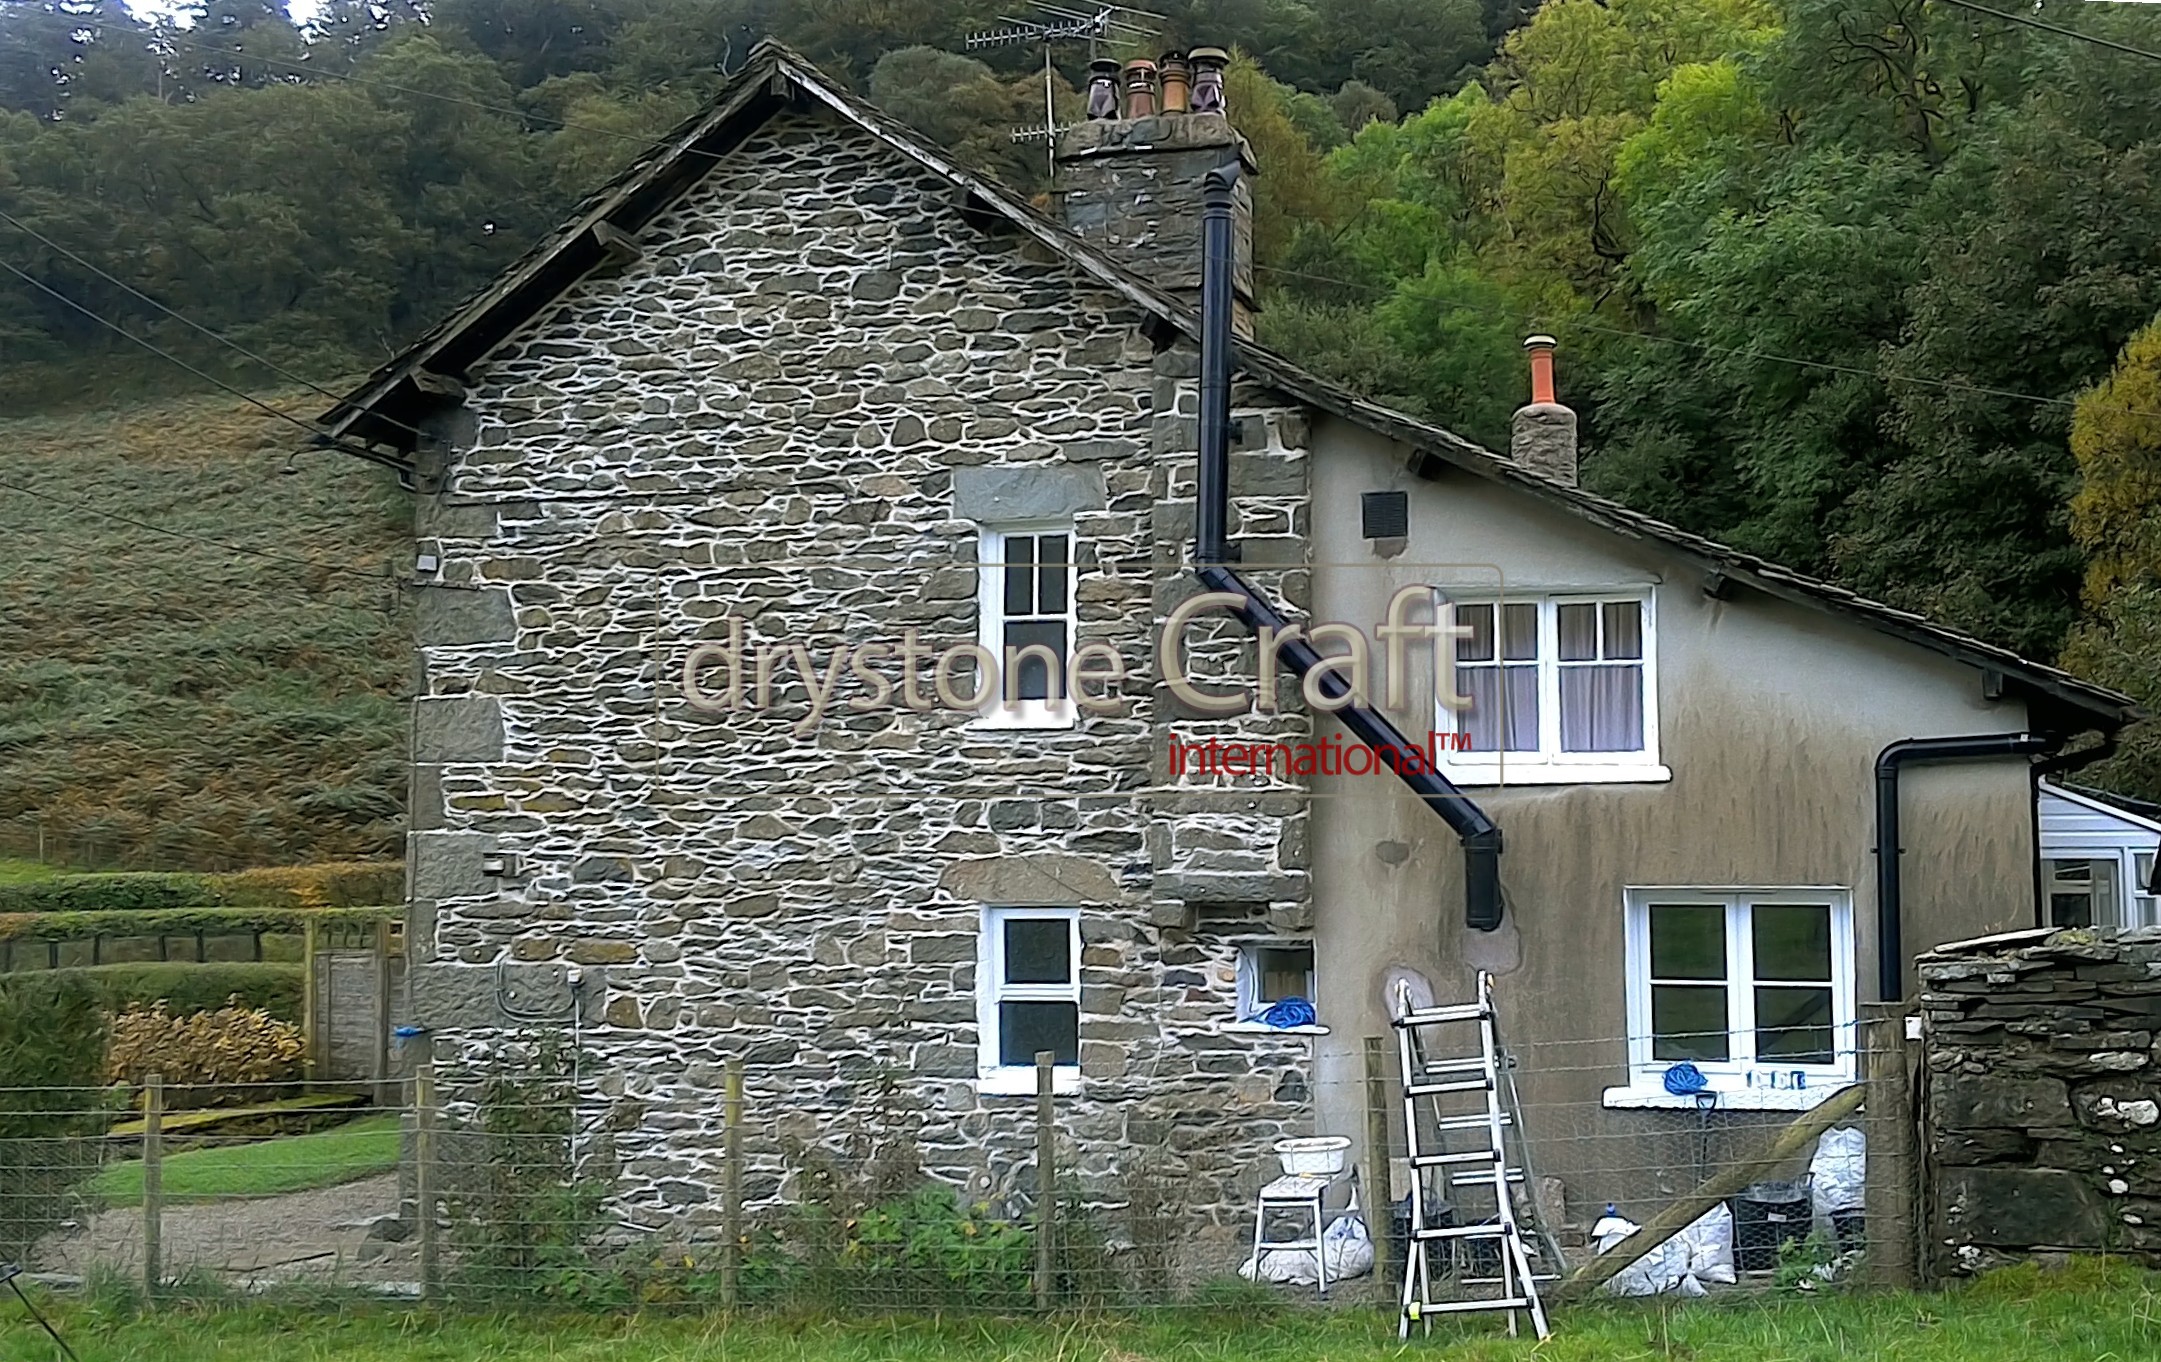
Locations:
{"points": [[1503, 716], [1602, 709]]}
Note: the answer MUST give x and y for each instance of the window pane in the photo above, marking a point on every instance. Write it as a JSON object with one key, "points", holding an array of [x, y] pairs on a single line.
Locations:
{"points": [[1794, 1024], [1688, 1021], [1034, 675], [2143, 868], [1792, 941], [1688, 941], [2083, 893], [1285, 972], [1602, 708], [1501, 720], [1579, 632], [1624, 629], [1024, 1028], [1051, 580], [1479, 646], [1020, 574], [1038, 950], [1519, 633]]}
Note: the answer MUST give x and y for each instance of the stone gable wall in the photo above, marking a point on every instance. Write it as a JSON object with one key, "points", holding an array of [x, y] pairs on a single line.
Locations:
{"points": [[2042, 1120], [769, 417]]}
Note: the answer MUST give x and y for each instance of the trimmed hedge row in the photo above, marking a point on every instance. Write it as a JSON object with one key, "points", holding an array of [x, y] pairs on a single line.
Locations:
{"points": [[273, 986], [68, 926], [329, 884]]}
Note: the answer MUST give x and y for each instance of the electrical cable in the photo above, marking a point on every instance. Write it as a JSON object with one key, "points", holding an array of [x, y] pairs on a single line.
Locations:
{"points": [[2057, 29], [186, 321], [315, 432]]}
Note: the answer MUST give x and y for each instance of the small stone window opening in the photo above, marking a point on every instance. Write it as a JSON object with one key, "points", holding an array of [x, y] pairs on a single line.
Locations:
{"points": [[1272, 972], [1028, 994]]}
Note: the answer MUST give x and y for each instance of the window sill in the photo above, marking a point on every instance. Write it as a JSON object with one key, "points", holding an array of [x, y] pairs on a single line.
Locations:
{"points": [[1746, 1099], [1531, 773], [1261, 1028], [1021, 720], [1020, 1081]]}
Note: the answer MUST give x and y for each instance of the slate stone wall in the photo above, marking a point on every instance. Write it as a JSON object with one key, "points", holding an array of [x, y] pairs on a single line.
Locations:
{"points": [[792, 411], [2042, 1111]]}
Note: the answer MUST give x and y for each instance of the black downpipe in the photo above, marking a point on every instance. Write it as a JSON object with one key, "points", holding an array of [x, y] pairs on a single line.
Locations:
{"points": [[1890, 934], [1480, 836]]}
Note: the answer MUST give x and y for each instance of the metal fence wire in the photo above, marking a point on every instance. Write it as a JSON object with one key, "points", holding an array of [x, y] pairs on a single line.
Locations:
{"points": [[544, 1178]]}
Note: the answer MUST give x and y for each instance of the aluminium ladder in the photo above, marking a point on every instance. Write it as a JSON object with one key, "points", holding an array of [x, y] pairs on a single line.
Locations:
{"points": [[1461, 1123]]}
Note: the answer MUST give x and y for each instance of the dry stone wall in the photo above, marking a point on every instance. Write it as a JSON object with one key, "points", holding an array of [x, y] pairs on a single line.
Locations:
{"points": [[791, 412], [2043, 1112]]}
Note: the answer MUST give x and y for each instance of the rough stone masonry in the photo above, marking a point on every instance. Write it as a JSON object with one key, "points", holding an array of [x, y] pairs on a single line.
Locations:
{"points": [[793, 409], [2043, 1115]]}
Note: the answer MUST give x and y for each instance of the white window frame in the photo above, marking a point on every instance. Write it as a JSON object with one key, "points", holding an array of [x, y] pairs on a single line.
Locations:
{"points": [[1739, 1082], [1250, 1005], [991, 621], [1549, 765], [991, 990]]}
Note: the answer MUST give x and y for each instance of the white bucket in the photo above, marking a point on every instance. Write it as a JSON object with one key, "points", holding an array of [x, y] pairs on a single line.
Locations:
{"points": [[1315, 1156]]}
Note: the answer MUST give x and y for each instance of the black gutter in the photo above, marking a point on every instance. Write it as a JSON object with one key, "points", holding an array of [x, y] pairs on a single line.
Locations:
{"points": [[1890, 936], [1481, 837]]}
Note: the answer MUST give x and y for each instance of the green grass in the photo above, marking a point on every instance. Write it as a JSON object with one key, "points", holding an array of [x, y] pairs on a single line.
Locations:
{"points": [[13, 871], [2090, 1312], [323, 1159]]}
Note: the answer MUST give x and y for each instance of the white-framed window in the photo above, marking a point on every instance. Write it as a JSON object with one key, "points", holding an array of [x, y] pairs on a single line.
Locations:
{"points": [[1562, 688], [1025, 621], [1754, 987], [2099, 887], [1270, 972], [1027, 996]]}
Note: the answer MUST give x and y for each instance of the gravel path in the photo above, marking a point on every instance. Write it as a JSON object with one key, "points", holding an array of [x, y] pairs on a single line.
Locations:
{"points": [[320, 1234]]}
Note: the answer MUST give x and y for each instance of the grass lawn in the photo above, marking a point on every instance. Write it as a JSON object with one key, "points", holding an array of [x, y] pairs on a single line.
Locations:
{"points": [[13, 871], [2089, 1312], [292, 1164]]}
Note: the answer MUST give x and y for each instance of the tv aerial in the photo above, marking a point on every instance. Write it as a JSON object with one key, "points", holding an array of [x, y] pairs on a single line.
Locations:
{"points": [[1094, 25]]}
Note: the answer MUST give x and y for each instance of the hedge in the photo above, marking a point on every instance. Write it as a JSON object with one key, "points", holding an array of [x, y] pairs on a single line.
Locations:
{"points": [[273, 986], [179, 922], [329, 884]]}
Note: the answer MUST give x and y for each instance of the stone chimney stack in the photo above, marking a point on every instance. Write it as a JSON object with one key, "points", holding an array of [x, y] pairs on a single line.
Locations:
{"points": [[1543, 437], [1129, 178]]}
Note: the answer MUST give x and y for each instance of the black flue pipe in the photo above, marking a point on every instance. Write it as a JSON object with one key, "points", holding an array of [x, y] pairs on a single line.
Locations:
{"points": [[1212, 495], [1479, 834], [1890, 931]]}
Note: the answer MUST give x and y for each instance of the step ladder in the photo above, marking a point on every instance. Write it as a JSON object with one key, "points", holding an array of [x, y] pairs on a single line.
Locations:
{"points": [[1463, 1128]]}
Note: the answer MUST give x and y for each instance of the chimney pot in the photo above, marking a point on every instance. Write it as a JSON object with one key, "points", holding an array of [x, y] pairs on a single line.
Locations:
{"points": [[1542, 439], [1208, 64], [1140, 88], [1103, 88], [1177, 83]]}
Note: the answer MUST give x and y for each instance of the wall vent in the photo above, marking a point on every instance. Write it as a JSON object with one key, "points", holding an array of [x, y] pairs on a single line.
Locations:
{"points": [[1385, 515]]}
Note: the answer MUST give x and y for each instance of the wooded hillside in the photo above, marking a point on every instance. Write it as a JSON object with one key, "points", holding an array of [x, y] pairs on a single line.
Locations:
{"points": [[1831, 276]]}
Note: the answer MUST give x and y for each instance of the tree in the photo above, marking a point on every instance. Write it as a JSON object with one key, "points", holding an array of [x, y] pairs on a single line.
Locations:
{"points": [[959, 103], [2116, 519]]}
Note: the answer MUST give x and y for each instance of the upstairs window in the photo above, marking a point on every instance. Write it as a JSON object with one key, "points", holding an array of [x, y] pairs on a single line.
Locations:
{"points": [[1026, 623], [1561, 688]]}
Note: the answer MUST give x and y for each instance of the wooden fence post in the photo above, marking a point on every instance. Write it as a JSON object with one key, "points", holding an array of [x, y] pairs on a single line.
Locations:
{"points": [[1379, 1209], [424, 1172], [1046, 1177], [1892, 1147], [382, 1013], [153, 1184], [310, 1001], [731, 1255]]}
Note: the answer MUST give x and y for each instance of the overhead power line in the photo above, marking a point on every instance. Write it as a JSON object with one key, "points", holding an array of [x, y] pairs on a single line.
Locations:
{"points": [[2057, 29]]}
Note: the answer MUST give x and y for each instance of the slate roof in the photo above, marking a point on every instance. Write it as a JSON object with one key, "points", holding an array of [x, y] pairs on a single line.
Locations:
{"points": [[385, 407]]}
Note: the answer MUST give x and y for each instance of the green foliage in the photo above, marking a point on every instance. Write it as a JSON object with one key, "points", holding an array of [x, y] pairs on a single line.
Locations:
{"points": [[271, 986], [179, 922], [332, 884], [928, 1251], [52, 1107], [357, 1149], [525, 1209]]}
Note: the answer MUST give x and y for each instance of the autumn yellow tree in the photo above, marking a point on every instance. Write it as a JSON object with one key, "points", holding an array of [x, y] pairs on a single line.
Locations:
{"points": [[2116, 519]]}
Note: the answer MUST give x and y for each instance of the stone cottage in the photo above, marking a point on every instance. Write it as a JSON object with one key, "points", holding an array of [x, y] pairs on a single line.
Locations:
{"points": [[813, 670]]}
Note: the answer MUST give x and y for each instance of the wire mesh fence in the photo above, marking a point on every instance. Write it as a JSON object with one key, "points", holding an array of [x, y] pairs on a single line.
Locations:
{"points": [[547, 1177]]}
